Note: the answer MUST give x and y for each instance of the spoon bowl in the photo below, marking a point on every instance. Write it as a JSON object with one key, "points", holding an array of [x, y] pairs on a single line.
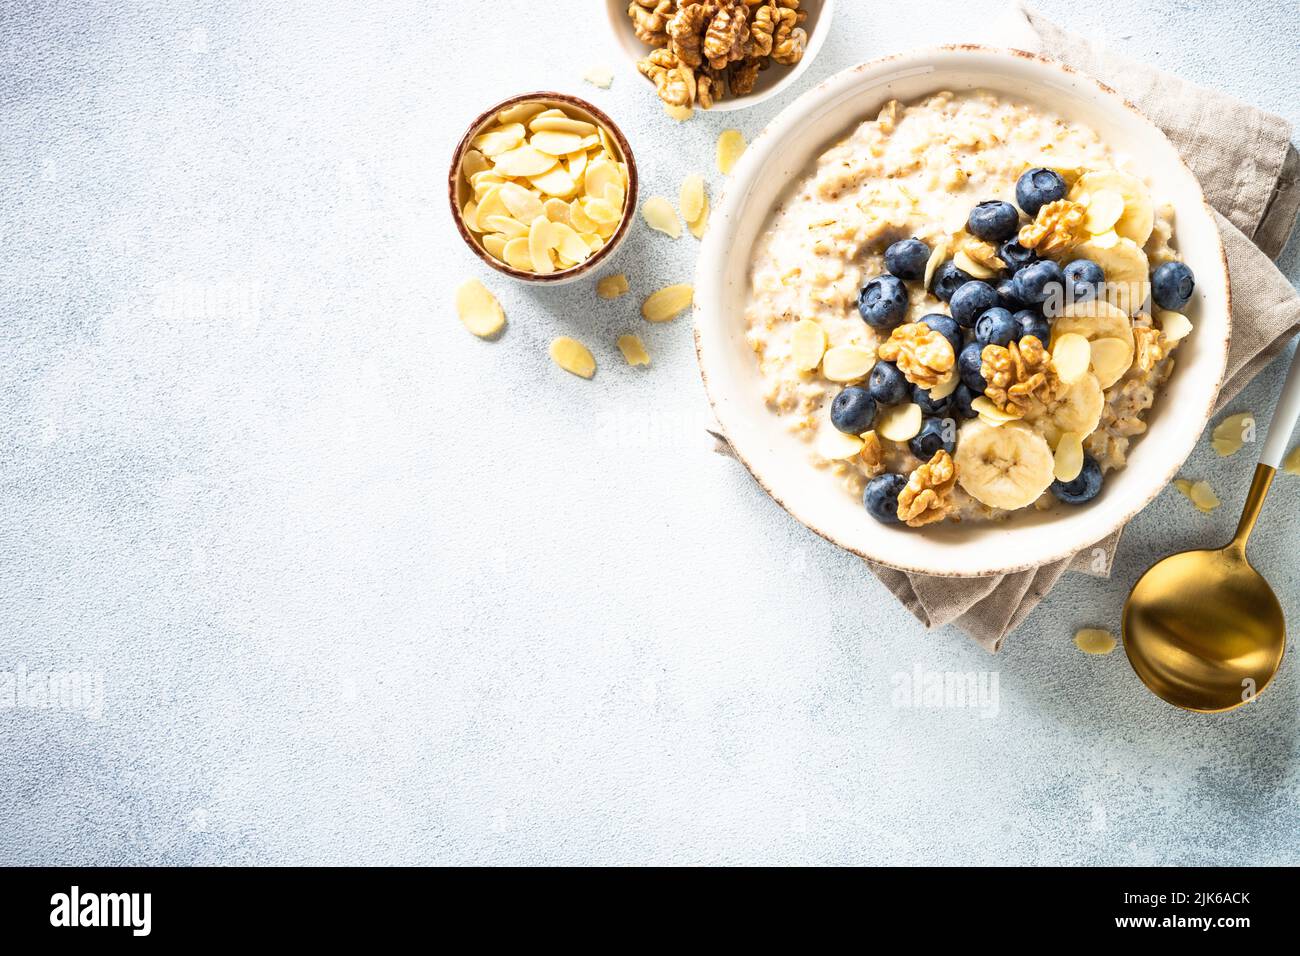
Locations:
{"points": [[1204, 630]]}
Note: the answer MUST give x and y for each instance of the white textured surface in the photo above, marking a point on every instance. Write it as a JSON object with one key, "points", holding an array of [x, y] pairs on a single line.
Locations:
{"points": [[364, 588]]}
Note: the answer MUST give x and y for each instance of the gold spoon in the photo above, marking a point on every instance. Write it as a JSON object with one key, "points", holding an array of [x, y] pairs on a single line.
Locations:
{"points": [[1203, 629]]}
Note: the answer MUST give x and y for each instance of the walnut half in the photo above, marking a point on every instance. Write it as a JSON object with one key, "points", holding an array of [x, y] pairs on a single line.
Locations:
{"points": [[927, 497], [1016, 373], [923, 355], [1056, 229]]}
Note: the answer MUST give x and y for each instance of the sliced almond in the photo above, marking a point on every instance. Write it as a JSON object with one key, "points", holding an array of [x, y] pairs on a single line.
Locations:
{"points": [[568, 243], [508, 226], [1174, 325], [541, 239], [989, 413], [555, 182], [1111, 358], [667, 303], [555, 143], [572, 356], [659, 214], [601, 76], [495, 244], [1071, 357], [633, 350], [611, 287], [520, 113], [577, 164], [469, 216], [691, 197], [937, 255], [899, 422], [847, 363], [965, 263], [579, 219], [731, 145], [1104, 207], [484, 181], [702, 223], [557, 210], [601, 173], [1094, 640], [523, 161], [807, 343], [472, 162], [524, 205], [516, 254], [614, 195], [499, 140], [1232, 433], [1199, 493], [490, 204], [601, 212], [552, 123], [679, 113], [1069, 457], [479, 310], [947, 385], [1292, 463], [835, 445]]}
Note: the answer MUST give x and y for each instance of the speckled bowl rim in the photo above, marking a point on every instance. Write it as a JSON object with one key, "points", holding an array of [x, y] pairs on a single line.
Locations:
{"points": [[803, 104], [629, 204]]}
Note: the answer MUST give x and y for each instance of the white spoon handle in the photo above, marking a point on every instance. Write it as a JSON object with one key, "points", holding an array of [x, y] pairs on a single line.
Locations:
{"points": [[1284, 417]]}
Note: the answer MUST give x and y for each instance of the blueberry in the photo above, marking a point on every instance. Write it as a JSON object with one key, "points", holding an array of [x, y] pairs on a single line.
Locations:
{"points": [[880, 497], [935, 433], [996, 327], [1084, 487], [1171, 285], [993, 221], [930, 406], [961, 399], [971, 300], [853, 410], [1007, 298], [947, 327], [887, 384], [1084, 277], [968, 366], [948, 279], [1037, 187], [883, 302], [1035, 281], [907, 258], [1031, 323], [1016, 256]]}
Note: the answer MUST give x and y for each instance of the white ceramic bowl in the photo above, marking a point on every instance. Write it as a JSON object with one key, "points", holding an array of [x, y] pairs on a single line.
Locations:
{"points": [[779, 461], [770, 81]]}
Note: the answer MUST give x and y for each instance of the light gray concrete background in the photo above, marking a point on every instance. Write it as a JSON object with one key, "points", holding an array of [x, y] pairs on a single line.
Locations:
{"points": [[361, 587]]}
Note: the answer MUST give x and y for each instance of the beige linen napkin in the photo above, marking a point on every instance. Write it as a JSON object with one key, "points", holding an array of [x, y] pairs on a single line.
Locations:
{"points": [[1248, 169]]}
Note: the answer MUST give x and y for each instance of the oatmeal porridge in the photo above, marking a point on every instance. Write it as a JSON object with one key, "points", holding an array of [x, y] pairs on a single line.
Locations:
{"points": [[966, 308]]}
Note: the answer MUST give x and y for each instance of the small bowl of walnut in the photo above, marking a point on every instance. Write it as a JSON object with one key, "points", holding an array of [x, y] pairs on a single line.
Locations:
{"points": [[719, 54]]}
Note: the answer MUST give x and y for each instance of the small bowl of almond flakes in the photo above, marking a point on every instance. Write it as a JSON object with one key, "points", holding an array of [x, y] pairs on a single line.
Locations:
{"points": [[542, 187]]}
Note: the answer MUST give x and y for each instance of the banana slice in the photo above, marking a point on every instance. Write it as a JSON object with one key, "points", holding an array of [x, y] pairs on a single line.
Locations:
{"points": [[1006, 467], [1077, 409], [1127, 270], [1096, 320], [1139, 214]]}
